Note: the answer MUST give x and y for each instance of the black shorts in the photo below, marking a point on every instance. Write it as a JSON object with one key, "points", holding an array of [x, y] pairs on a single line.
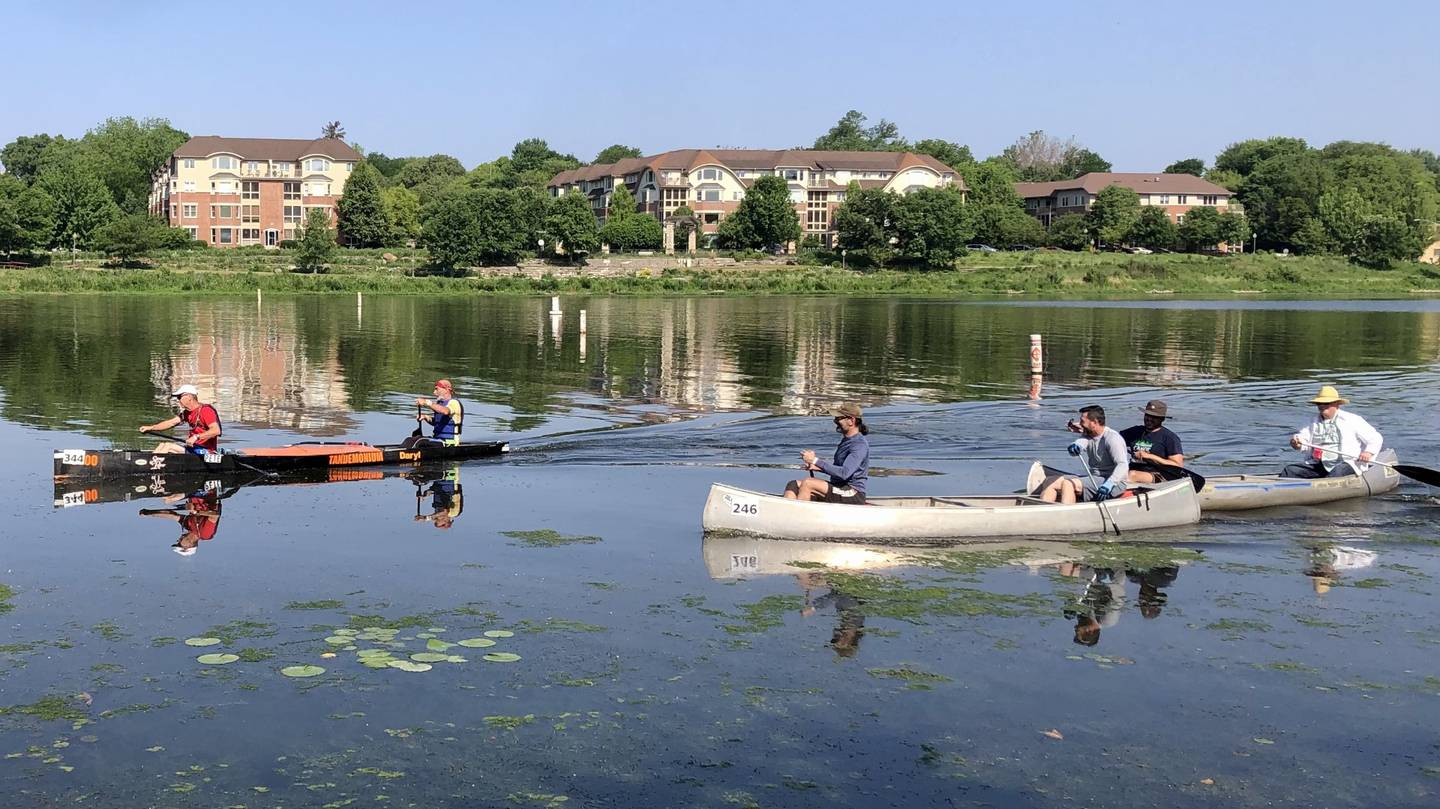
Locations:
{"points": [[844, 494]]}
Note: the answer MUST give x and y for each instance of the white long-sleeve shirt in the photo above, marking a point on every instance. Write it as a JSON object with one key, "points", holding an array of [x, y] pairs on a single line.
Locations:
{"points": [[1341, 438]]}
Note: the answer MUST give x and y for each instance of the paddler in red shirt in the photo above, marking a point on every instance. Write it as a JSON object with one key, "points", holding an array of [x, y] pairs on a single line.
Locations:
{"points": [[204, 424]]}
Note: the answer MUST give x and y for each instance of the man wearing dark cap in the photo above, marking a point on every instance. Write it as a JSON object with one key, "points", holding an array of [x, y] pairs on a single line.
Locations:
{"points": [[1152, 445]]}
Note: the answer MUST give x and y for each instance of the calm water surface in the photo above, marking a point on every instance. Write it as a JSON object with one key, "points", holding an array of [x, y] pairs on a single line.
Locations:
{"points": [[1279, 658]]}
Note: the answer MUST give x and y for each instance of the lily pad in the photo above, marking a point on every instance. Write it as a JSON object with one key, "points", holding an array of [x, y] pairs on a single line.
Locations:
{"points": [[217, 659], [502, 657], [347, 631], [477, 643], [437, 645], [201, 641], [373, 653], [436, 629], [429, 657], [499, 633], [406, 665], [375, 662], [339, 640], [302, 671], [455, 659]]}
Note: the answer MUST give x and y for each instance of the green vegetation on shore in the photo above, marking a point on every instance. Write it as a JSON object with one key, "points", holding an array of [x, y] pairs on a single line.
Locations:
{"points": [[1041, 273]]}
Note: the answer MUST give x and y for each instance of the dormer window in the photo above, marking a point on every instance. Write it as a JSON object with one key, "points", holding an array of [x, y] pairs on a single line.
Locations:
{"points": [[317, 164], [223, 163]]}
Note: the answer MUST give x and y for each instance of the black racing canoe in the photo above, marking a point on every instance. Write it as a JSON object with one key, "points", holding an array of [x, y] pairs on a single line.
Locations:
{"points": [[90, 491], [81, 464]]}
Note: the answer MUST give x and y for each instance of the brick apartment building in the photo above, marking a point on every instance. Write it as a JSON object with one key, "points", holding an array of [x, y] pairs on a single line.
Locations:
{"points": [[711, 182], [238, 191], [1176, 193]]}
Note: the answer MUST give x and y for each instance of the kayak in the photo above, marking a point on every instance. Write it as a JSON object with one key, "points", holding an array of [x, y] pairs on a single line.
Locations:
{"points": [[1239, 492], [73, 464], [733, 510]]}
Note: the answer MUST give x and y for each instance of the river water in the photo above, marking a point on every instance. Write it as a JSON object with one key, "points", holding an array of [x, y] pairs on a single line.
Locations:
{"points": [[1279, 658]]}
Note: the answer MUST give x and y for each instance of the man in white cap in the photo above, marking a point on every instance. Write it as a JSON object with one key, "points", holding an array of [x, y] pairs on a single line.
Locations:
{"points": [[204, 424], [1339, 443]]}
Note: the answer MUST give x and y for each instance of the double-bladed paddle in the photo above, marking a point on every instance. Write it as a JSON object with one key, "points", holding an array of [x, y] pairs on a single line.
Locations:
{"points": [[1427, 476]]}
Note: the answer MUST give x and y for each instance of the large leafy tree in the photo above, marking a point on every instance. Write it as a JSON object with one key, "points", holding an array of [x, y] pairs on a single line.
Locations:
{"points": [[1245, 156], [481, 226], [1202, 229], [402, 212], [765, 217], [615, 153], [622, 204], [428, 174], [82, 203], [1113, 214], [363, 222], [124, 154], [1079, 162], [1153, 229], [862, 221], [850, 134], [1039, 157], [1004, 225], [930, 226], [955, 155], [992, 182], [389, 167], [570, 223], [21, 157], [1190, 165], [1070, 232], [637, 231], [28, 216]]}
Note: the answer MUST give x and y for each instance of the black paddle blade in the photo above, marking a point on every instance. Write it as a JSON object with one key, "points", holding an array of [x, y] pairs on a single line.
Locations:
{"points": [[1429, 477], [418, 412]]}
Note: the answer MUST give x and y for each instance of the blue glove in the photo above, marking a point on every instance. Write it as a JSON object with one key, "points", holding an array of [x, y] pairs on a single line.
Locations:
{"points": [[1107, 489], [1074, 449]]}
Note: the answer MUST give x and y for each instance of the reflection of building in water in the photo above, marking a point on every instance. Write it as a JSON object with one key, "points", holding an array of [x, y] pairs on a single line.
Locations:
{"points": [[258, 374]]}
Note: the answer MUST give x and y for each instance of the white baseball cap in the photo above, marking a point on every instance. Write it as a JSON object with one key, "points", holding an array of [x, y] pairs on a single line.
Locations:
{"points": [[182, 551], [184, 389]]}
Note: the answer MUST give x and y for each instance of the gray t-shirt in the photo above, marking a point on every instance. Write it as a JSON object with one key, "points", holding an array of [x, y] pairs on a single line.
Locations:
{"points": [[1107, 457]]}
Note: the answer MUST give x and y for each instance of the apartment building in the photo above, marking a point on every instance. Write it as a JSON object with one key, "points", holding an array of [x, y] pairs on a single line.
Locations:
{"points": [[711, 182], [238, 191], [1176, 193]]}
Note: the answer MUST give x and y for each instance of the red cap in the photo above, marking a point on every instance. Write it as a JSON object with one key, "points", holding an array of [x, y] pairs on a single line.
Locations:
{"points": [[445, 383]]}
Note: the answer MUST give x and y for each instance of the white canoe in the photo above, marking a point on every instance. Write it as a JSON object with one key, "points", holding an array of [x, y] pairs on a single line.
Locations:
{"points": [[910, 519], [1238, 492]]}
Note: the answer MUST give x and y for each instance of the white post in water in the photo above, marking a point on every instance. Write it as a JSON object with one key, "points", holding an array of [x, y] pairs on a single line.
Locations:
{"points": [[555, 305], [1037, 355], [583, 329]]}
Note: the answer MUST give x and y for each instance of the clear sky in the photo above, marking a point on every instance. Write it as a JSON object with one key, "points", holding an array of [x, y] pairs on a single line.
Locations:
{"points": [[1142, 83]]}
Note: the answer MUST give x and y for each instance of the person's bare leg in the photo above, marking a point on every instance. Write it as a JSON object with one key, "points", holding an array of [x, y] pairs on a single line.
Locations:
{"points": [[1052, 492], [813, 489], [792, 489], [169, 448], [1069, 491]]}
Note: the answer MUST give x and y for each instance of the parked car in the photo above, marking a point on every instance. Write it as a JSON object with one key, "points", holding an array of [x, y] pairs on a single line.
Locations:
{"points": [[1139, 251], [1020, 247], [981, 248]]}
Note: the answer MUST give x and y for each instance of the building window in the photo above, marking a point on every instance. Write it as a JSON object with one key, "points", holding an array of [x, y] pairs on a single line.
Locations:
{"points": [[1210, 199], [188, 163], [1164, 199], [708, 194], [222, 235], [710, 218], [193, 231], [319, 189], [222, 187], [1179, 218], [250, 234], [250, 190], [293, 215], [317, 164], [817, 211], [288, 235], [292, 191], [223, 163], [252, 167], [190, 210], [792, 174], [250, 214], [710, 174], [222, 211], [1180, 199], [349, 167]]}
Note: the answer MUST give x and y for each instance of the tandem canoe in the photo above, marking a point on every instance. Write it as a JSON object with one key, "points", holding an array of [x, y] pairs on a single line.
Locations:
{"points": [[730, 509], [1240, 492], [73, 464]]}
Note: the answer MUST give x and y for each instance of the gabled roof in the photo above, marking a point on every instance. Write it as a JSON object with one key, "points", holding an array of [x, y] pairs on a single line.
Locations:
{"points": [[267, 148], [1139, 182], [758, 159]]}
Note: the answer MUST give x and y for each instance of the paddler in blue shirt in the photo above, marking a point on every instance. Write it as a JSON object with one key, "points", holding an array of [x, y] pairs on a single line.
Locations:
{"points": [[850, 471]]}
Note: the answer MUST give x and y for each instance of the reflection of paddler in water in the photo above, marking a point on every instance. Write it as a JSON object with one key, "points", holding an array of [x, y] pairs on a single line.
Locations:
{"points": [[1152, 583], [850, 627], [1099, 605], [447, 499], [199, 518], [1326, 562]]}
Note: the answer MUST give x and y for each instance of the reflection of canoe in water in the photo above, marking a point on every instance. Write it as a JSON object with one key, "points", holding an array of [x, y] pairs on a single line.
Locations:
{"points": [[78, 492], [1237, 492], [72, 464], [734, 510], [733, 555]]}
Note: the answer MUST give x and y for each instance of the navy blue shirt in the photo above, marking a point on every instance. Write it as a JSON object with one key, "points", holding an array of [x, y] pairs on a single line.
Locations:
{"points": [[852, 463], [1160, 442]]}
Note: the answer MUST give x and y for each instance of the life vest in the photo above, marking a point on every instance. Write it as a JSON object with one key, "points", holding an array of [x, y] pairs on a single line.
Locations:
{"points": [[447, 427], [201, 419]]}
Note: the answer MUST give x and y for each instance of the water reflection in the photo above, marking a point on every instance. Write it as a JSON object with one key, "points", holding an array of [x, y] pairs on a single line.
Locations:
{"points": [[308, 365]]}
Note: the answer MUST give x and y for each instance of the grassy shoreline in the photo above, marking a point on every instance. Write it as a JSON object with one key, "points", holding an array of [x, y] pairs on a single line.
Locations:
{"points": [[1043, 275]]}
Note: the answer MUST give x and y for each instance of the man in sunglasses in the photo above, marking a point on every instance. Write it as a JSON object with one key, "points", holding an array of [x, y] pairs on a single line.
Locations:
{"points": [[850, 471]]}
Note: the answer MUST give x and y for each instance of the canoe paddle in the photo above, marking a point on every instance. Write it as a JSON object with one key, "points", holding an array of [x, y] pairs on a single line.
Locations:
{"points": [[1170, 472], [1104, 507], [1429, 477]]}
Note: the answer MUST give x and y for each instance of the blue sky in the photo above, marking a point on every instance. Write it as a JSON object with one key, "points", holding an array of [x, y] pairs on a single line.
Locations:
{"points": [[1141, 83]]}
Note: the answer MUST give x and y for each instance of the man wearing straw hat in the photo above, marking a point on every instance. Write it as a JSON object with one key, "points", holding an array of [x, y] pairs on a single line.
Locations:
{"points": [[1339, 443]]}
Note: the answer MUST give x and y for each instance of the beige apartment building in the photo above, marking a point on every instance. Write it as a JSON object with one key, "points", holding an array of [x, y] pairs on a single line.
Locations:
{"points": [[711, 182], [238, 191], [1176, 193]]}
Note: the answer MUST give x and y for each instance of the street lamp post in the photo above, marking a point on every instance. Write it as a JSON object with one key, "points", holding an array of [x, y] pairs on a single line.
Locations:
{"points": [[842, 258]]}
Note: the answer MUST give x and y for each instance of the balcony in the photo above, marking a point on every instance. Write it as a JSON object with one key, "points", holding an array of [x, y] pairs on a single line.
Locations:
{"points": [[271, 174]]}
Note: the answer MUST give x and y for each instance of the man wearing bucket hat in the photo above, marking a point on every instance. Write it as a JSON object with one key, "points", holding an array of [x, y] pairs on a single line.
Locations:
{"points": [[1152, 445], [1338, 443], [851, 469], [203, 420]]}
